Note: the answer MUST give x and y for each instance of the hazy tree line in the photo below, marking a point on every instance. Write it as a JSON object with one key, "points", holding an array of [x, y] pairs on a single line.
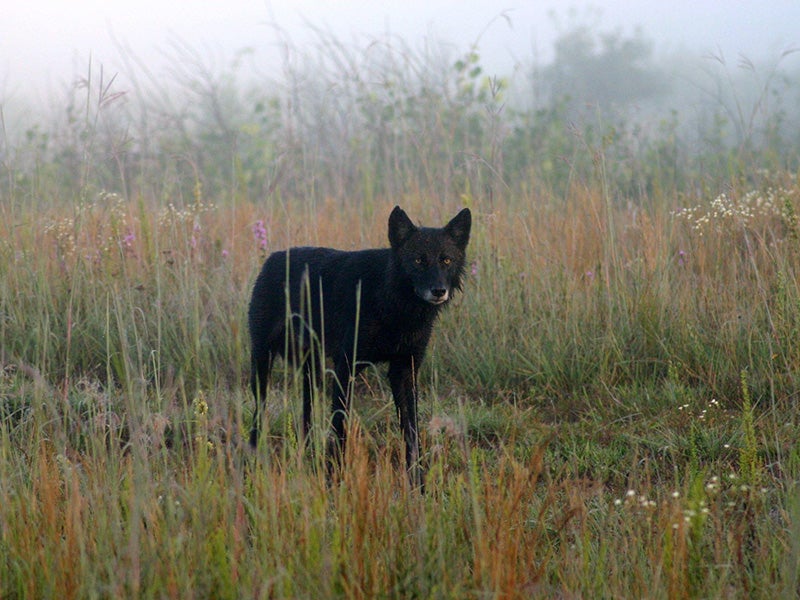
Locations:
{"points": [[355, 122]]}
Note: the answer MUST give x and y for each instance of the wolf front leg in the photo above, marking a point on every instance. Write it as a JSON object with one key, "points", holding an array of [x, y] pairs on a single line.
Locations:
{"points": [[403, 380], [344, 375]]}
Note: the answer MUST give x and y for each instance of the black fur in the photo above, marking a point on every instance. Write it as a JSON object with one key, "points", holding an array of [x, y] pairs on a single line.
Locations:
{"points": [[401, 290]]}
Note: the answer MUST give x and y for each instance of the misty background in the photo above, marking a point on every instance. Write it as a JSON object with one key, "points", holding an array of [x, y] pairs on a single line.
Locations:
{"points": [[357, 100]]}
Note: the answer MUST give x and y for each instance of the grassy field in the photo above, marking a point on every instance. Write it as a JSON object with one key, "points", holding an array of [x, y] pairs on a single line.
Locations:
{"points": [[609, 408], [608, 411]]}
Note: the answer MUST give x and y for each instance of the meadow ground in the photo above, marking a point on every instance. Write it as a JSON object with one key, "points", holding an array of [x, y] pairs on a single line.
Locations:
{"points": [[609, 408]]}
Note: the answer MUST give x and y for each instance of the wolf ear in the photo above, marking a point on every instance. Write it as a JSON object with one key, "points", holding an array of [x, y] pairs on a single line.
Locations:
{"points": [[400, 227], [458, 228]]}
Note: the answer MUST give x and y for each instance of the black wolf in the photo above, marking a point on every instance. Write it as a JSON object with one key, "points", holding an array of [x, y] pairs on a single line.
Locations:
{"points": [[367, 306]]}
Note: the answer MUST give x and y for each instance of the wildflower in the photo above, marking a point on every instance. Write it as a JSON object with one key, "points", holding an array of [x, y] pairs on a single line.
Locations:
{"points": [[260, 234], [474, 269], [443, 425], [200, 405], [724, 211], [681, 258]]}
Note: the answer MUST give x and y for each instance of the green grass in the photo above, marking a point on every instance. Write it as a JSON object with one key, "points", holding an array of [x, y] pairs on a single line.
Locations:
{"points": [[608, 409]]}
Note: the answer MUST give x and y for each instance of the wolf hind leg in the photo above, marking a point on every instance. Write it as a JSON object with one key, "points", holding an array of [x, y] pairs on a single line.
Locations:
{"points": [[259, 378], [313, 374]]}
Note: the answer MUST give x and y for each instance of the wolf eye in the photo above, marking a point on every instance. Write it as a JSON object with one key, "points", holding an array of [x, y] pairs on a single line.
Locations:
{"points": [[446, 260], [418, 260]]}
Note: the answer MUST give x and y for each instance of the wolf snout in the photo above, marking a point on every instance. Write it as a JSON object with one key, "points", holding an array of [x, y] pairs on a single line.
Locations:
{"points": [[435, 295]]}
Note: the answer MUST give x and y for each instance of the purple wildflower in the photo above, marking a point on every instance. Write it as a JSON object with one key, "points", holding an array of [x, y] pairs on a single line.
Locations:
{"points": [[260, 234]]}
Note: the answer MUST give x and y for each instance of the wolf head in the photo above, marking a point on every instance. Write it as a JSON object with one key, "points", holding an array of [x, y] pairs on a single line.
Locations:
{"points": [[432, 259]]}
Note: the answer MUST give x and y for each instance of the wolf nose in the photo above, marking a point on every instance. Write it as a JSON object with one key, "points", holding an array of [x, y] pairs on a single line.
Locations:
{"points": [[438, 292]]}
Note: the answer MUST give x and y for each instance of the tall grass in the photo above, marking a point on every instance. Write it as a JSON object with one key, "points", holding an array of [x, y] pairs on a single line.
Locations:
{"points": [[576, 366], [608, 408]]}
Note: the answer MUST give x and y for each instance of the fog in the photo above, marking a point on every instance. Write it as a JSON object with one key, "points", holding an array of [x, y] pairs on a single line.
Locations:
{"points": [[44, 43], [354, 98]]}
